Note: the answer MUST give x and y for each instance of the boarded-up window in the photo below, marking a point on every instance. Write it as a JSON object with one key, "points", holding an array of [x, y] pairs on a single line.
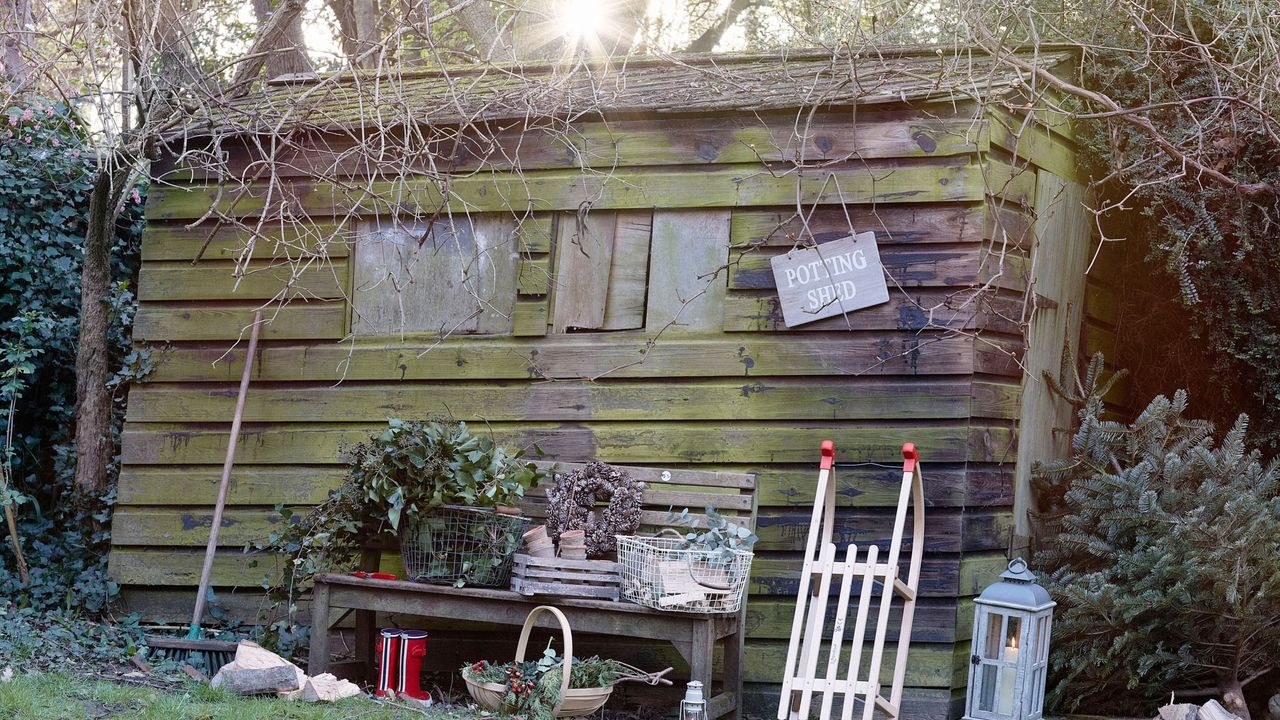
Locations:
{"points": [[601, 271], [456, 275]]}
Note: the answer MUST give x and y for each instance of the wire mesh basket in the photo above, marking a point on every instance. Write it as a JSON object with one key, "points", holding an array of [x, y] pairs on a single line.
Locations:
{"points": [[658, 573], [461, 546]]}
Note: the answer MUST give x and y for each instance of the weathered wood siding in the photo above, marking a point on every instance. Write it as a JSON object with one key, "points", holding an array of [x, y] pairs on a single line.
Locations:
{"points": [[677, 246]]}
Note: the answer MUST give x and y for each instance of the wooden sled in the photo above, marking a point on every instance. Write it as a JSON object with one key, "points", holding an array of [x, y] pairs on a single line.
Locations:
{"points": [[801, 680]]}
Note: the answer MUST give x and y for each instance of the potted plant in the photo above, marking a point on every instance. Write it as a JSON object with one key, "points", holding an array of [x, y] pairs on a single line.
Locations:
{"points": [[433, 485]]}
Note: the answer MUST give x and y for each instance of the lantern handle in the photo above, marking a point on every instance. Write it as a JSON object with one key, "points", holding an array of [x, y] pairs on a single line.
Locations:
{"points": [[1017, 565]]}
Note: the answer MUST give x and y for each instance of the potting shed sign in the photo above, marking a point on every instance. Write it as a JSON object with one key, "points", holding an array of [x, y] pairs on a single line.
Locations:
{"points": [[830, 279]]}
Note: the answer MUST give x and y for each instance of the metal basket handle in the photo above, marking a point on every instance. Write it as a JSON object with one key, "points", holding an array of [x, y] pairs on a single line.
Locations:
{"points": [[568, 644]]}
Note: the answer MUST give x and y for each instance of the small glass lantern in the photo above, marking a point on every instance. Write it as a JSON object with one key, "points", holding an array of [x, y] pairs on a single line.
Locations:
{"points": [[694, 705], [1011, 626]]}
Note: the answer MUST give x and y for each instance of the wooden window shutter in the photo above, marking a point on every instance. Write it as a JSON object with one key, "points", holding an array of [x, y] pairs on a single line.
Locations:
{"points": [[601, 271]]}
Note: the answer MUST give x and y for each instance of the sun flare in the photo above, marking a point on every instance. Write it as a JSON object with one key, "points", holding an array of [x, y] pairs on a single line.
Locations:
{"points": [[582, 21]]}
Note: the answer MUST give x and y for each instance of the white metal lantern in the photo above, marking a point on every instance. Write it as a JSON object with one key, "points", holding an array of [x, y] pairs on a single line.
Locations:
{"points": [[694, 705], [1011, 624]]}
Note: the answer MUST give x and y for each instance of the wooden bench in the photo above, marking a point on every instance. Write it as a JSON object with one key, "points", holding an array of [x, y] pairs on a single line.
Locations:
{"points": [[694, 636]]}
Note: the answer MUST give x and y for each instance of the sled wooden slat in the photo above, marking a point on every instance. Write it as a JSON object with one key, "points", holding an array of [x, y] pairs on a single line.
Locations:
{"points": [[800, 680]]}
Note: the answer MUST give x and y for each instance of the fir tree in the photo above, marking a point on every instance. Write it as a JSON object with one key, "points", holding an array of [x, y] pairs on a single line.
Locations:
{"points": [[1164, 557]]}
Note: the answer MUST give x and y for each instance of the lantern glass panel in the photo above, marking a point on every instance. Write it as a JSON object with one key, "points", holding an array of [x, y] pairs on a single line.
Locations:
{"points": [[1037, 691], [995, 629], [1042, 640], [987, 689], [1013, 628], [1008, 676]]}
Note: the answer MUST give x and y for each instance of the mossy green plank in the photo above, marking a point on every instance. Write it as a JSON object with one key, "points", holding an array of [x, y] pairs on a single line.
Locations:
{"points": [[898, 224], [778, 574], [948, 530], [249, 485], [994, 399], [181, 567], [992, 440], [534, 275], [317, 279], [947, 180], [636, 443], [1015, 184], [947, 485], [928, 665], [769, 618], [905, 266], [298, 320], [322, 238], [535, 232], [530, 318], [914, 310], [1002, 267], [1101, 303], [1033, 142], [189, 526], [577, 357], [823, 398]]}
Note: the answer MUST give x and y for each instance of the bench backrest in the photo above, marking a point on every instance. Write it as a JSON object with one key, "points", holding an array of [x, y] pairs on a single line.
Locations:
{"points": [[667, 490]]}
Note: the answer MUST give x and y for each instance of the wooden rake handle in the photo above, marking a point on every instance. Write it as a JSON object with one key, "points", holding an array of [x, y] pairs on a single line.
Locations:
{"points": [[206, 571]]}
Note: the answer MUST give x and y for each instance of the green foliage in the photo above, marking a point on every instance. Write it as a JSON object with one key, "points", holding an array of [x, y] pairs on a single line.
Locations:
{"points": [[409, 467], [46, 172], [533, 686], [721, 535], [415, 466], [1162, 557], [1220, 248]]}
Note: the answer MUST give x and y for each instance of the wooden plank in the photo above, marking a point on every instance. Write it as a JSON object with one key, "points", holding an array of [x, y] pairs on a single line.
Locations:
{"points": [[452, 276], [864, 398], [949, 530], [920, 310], [629, 273], [1101, 303], [941, 574], [495, 359], [531, 317], [769, 618], [298, 320], [249, 485], [320, 237], [994, 399], [687, 258], [627, 443], [316, 279], [1063, 229], [998, 356], [584, 256], [700, 139], [534, 275], [1024, 137], [189, 526], [892, 224], [905, 266], [535, 232], [1013, 183], [943, 180]]}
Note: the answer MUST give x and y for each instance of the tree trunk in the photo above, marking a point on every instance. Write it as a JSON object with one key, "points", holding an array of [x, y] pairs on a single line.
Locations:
{"points": [[271, 35], [93, 397], [15, 24], [707, 41], [1233, 698], [492, 41], [289, 54], [358, 30]]}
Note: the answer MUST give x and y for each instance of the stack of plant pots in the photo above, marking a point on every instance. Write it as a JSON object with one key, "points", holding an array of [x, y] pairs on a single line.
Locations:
{"points": [[573, 545], [538, 544]]}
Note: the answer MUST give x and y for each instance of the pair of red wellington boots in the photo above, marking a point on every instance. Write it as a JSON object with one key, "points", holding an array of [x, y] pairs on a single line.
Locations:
{"points": [[399, 654]]}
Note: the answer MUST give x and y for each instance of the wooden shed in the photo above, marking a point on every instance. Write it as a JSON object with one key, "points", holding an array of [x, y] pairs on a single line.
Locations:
{"points": [[581, 259]]}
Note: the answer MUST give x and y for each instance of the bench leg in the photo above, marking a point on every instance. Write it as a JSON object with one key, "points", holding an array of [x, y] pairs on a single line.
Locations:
{"points": [[366, 636], [318, 659], [733, 660]]}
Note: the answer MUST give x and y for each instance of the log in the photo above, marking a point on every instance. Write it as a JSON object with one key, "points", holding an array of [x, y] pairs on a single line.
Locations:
{"points": [[259, 681]]}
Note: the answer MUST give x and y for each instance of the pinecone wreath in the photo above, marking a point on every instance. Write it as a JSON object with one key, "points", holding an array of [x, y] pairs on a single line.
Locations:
{"points": [[571, 505]]}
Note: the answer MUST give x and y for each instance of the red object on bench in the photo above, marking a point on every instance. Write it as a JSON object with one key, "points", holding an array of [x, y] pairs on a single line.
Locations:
{"points": [[374, 575]]}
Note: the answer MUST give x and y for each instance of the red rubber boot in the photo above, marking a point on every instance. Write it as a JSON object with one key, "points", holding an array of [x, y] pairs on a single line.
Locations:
{"points": [[387, 656], [413, 647]]}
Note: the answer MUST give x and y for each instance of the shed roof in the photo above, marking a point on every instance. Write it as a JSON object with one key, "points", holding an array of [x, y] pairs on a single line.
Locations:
{"points": [[652, 85]]}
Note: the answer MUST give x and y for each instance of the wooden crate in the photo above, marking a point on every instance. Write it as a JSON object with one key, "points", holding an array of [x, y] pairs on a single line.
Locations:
{"points": [[598, 579]]}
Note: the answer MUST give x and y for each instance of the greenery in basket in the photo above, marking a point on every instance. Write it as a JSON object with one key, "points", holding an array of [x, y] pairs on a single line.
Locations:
{"points": [[408, 468], [533, 686], [721, 535]]}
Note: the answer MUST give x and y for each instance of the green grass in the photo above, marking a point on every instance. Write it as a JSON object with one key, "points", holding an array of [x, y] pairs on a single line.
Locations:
{"points": [[56, 696]]}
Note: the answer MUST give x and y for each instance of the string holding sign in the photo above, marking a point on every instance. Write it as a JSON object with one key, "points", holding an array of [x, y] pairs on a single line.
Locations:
{"points": [[830, 279]]}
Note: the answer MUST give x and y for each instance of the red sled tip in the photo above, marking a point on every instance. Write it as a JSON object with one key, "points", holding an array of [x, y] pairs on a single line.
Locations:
{"points": [[909, 452], [828, 455]]}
